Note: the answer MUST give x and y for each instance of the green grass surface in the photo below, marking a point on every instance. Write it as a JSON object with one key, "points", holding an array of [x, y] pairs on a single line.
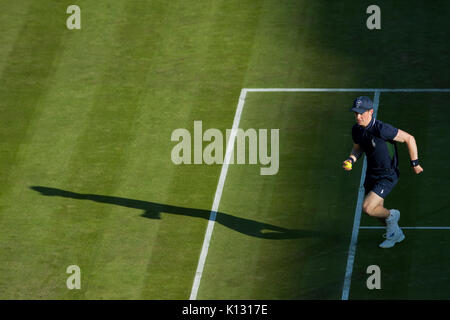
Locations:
{"points": [[91, 112]]}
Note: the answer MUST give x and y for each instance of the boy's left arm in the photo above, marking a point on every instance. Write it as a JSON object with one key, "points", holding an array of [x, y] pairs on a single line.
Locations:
{"points": [[405, 137]]}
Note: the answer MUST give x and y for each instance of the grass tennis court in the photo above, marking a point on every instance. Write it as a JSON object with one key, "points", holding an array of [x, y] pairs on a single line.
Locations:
{"points": [[85, 149]]}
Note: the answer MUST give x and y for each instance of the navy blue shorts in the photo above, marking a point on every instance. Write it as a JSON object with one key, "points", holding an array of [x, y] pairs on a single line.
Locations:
{"points": [[381, 184]]}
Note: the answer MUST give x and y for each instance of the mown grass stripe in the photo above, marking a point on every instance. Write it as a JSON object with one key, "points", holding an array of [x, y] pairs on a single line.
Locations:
{"points": [[24, 80]]}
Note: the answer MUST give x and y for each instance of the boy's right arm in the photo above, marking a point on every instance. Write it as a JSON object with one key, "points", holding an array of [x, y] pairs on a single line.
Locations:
{"points": [[355, 154]]}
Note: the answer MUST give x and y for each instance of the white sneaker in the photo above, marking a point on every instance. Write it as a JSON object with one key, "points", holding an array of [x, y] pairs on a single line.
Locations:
{"points": [[391, 239]]}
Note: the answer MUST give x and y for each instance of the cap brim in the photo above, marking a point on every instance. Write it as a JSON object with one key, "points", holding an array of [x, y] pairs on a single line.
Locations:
{"points": [[358, 110]]}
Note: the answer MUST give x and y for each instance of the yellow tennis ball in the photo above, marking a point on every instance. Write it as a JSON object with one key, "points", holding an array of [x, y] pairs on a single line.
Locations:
{"points": [[348, 164]]}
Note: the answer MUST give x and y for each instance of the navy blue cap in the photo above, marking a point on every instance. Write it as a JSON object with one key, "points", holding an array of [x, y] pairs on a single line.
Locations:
{"points": [[362, 104]]}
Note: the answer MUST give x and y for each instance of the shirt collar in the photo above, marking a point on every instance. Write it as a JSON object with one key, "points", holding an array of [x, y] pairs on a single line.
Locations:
{"points": [[370, 123]]}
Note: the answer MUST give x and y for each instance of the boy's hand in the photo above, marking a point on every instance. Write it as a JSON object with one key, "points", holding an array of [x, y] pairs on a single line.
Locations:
{"points": [[347, 165], [417, 169]]}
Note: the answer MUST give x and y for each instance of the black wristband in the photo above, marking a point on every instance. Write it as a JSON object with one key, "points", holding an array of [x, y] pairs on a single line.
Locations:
{"points": [[414, 163], [351, 160]]}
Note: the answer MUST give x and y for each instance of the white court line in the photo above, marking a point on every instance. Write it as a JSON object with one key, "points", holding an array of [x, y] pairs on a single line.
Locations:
{"points": [[357, 219], [408, 228], [343, 90], [218, 195]]}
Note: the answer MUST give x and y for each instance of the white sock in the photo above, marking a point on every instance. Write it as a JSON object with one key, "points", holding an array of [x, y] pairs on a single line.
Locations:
{"points": [[389, 218]]}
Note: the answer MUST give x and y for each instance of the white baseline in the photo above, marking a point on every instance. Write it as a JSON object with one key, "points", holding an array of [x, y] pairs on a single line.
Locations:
{"points": [[343, 90], [407, 228]]}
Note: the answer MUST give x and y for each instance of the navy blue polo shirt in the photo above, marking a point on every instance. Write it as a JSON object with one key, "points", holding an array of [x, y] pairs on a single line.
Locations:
{"points": [[377, 141]]}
